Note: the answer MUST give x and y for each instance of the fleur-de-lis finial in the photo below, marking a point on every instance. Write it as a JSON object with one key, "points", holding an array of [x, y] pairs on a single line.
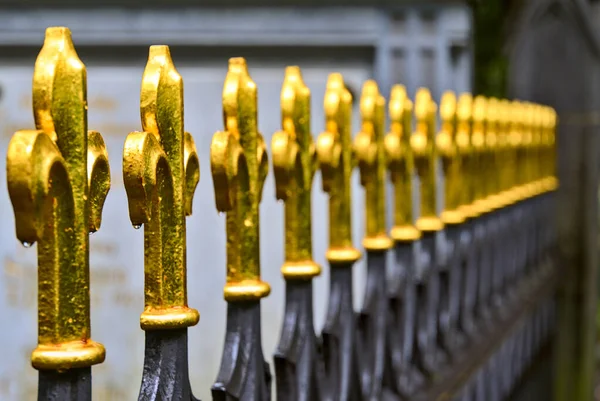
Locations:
{"points": [[294, 165], [424, 148], [58, 178], [239, 167], [160, 172], [370, 151], [401, 164], [477, 165], [451, 160], [334, 151]]}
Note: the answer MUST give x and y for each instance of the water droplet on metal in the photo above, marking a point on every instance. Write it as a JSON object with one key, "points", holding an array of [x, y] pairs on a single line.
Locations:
{"points": [[137, 226]]}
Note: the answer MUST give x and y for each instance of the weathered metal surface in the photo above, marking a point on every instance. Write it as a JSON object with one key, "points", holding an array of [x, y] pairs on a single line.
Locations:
{"points": [[239, 166], [160, 173], [294, 165], [58, 178]]}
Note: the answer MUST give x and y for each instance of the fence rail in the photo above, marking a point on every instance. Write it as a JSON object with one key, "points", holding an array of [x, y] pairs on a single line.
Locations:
{"points": [[463, 310]]}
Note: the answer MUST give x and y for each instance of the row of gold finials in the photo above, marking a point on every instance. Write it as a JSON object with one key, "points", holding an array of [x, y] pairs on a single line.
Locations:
{"points": [[493, 153]]}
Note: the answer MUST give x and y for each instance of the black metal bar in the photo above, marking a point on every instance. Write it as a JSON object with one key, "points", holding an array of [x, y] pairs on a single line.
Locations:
{"points": [[342, 379], [372, 329], [165, 374], [407, 378], [244, 374], [72, 385], [297, 368], [451, 290], [428, 355]]}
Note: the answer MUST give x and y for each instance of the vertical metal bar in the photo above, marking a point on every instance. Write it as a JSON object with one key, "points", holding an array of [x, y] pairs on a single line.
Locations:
{"points": [[58, 178], [160, 172], [294, 165], [239, 167], [334, 151]]}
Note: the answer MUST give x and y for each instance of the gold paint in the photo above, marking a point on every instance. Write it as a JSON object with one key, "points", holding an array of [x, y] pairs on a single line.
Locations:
{"points": [[160, 173], [519, 155], [370, 152], [527, 150], [464, 115], [550, 153], [491, 162], [58, 177], [502, 154], [477, 164], [424, 149], [537, 186], [401, 164], [294, 165], [334, 152], [239, 166], [451, 160]]}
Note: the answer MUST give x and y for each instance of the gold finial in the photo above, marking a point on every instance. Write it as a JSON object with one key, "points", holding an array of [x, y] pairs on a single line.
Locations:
{"points": [[550, 169], [451, 163], [160, 173], [537, 185], [424, 148], [370, 152], [503, 164], [58, 178], [334, 151], [239, 166], [464, 116], [477, 165], [519, 155], [527, 145], [294, 165], [491, 159], [401, 165]]}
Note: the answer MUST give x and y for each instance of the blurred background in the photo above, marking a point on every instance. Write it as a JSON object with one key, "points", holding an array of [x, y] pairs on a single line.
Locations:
{"points": [[545, 51]]}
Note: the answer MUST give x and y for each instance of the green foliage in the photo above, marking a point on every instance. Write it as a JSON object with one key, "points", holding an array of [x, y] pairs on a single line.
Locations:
{"points": [[491, 64]]}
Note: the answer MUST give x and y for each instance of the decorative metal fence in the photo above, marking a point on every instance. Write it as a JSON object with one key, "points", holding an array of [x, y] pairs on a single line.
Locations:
{"points": [[460, 314]]}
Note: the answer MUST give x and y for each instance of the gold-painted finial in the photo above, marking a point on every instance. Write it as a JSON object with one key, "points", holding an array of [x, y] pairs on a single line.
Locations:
{"points": [[451, 160], [58, 178], [464, 116], [491, 160], [425, 152], [401, 164], [294, 165], [477, 163], [334, 151], [370, 152], [160, 173], [503, 150], [518, 151], [239, 166], [550, 152]]}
